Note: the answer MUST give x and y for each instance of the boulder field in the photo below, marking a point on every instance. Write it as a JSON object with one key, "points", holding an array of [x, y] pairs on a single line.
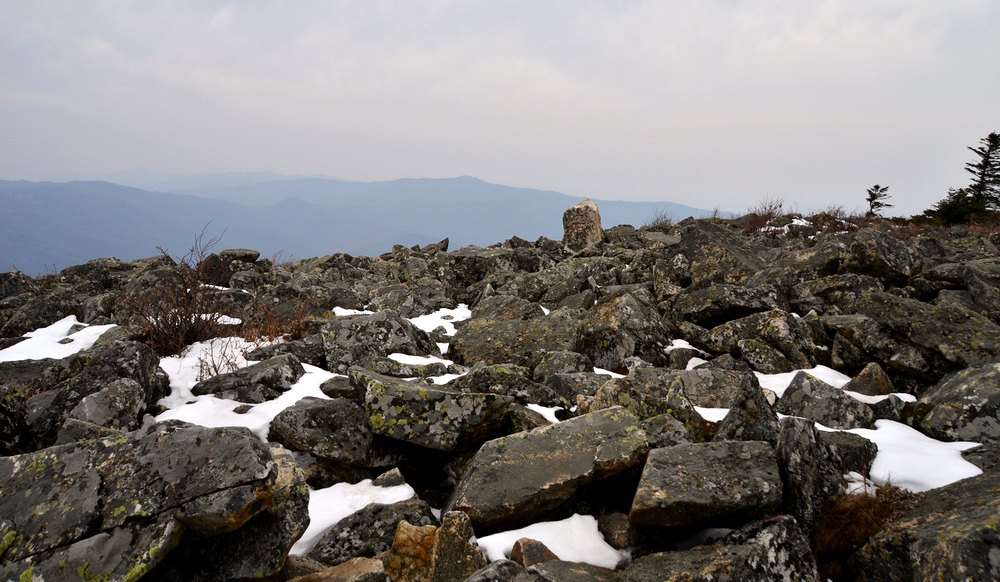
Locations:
{"points": [[627, 336]]}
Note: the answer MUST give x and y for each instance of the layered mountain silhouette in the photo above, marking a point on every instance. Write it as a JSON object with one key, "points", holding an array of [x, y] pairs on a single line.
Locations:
{"points": [[47, 226]]}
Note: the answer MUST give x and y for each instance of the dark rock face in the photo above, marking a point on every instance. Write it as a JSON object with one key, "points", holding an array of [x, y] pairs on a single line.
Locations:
{"points": [[816, 400], [370, 531], [359, 340], [966, 406], [256, 383], [950, 535], [516, 479], [427, 415], [71, 503], [330, 429], [775, 551], [434, 554], [520, 342], [709, 484], [811, 481], [750, 418]]}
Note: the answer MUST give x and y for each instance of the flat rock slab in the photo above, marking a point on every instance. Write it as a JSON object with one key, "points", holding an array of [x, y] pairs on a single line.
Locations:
{"points": [[425, 415], [722, 484], [516, 479]]}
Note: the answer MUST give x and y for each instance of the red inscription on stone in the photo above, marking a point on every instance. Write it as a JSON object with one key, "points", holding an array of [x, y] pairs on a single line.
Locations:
{"points": [[579, 226]]}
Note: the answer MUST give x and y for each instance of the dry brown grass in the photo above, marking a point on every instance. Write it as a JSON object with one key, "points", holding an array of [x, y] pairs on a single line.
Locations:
{"points": [[851, 522], [761, 215]]}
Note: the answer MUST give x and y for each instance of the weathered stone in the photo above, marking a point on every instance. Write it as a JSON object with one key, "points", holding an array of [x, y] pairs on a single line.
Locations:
{"points": [[529, 552], [777, 550], [878, 254], [499, 571], [814, 399], [965, 406], [561, 362], [836, 293], [434, 554], [559, 571], [872, 381], [309, 350], [623, 327], [848, 452], [208, 479], [116, 406], [331, 429], [508, 380], [569, 385], [709, 254], [646, 394], [715, 305], [356, 570], [360, 339], [811, 481], [427, 415], [722, 484], [15, 436], [506, 308], [664, 430], [256, 383], [582, 226], [516, 479], [750, 418], [950, 535], [369, 531], [520, 342]]}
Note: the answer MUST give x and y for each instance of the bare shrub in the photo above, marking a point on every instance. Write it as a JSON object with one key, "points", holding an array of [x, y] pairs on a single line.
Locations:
{"points": [[761, 215], [851, 521], [662, 220]]}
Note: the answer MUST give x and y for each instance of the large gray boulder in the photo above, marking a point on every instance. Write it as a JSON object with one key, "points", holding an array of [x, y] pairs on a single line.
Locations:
{"points": [[811, 480], [718, 304], [358, 340], [724, 484], [965, 406], [256, 383], [520, 342], [624, 327], [100, 506], [369, 531], [880, 255], [427, 415], [812, 398], [514, 480]]}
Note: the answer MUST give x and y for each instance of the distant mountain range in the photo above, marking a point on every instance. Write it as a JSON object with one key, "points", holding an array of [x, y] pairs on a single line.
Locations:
{"points": [[48, 226]]}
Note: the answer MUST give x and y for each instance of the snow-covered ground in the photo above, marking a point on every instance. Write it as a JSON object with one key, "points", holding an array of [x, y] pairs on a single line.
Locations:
{"points": [[906, 457]]}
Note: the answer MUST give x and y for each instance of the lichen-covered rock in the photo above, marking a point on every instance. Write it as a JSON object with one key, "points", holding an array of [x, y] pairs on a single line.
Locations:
{"points": [[724, 484], [811, 480], [561, 362], [520, 342], [64, 503], [116, 406], [965, 406], [435, 554], [499, 571], [105, 364], [872, 381], [832, 294], [582, 226], [950, 535], [880, 255], [750, 418], [814, 399], [645, 393], [256, 383], [623, 327], [514, 480], [509, 380], [775, 550], [776, 329], [709, 254], [848, 452], [356, 340], [715, 305], [560, 571], [15, 436], [369, 531], [330, 429], [427, 415]]}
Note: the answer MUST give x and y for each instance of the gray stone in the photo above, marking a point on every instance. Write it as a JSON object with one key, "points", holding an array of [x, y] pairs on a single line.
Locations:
{"points": [[256, 383], [872, 381], [718, 304], [514, 480], [814, 399], [811, 480], [722, 484], [330, 429], [369, 531], [965, 406], [750, 418], [623, 327], [357, 340], [582, 226]]}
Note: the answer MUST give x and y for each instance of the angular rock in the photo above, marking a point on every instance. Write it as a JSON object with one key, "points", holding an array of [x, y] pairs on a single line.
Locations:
{"points": [[508, 380], [434, 554], [880, 255], [836, 293], [429, 416], [559, 571], [664, 430], [725, 484], [330, 429], [811, 480], [623, 327], [499, 571], [950, 535], [965, 406], [355, 570], [848, 452], [116, 406], [715, 305], [569, 385], [750, 418], [256, 383], [814, 399], [582, 226], [872, 381], [646, 395], [514, 480], [520, 342], [15, 435], [777, 550], [561, 362], [369, 531], [529, 552], [709, 254], [357, 340]]}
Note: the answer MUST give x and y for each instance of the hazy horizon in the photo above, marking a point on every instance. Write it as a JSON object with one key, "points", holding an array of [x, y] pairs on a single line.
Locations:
{"points": [[709, 104]]}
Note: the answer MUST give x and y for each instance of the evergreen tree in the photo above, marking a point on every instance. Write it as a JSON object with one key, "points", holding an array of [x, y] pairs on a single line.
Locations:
{"points": [[985, 187], [877, 196]]}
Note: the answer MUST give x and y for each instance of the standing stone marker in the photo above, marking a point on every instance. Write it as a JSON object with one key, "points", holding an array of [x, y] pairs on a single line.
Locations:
{"points": [[582, 226]]}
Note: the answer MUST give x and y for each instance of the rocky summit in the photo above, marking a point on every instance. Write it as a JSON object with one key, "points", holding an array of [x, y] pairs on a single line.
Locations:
{"points": [[627, 375]]}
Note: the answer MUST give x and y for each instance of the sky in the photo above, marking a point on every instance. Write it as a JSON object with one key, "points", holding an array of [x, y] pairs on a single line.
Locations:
{"points": [[713, 103]]}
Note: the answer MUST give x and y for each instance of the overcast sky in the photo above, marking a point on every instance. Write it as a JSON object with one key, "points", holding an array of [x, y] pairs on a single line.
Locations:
{"points": [[712, 103]]}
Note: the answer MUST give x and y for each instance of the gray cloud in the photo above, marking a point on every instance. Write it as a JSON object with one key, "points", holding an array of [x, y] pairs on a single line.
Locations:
{"points": [[718, 103]]}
